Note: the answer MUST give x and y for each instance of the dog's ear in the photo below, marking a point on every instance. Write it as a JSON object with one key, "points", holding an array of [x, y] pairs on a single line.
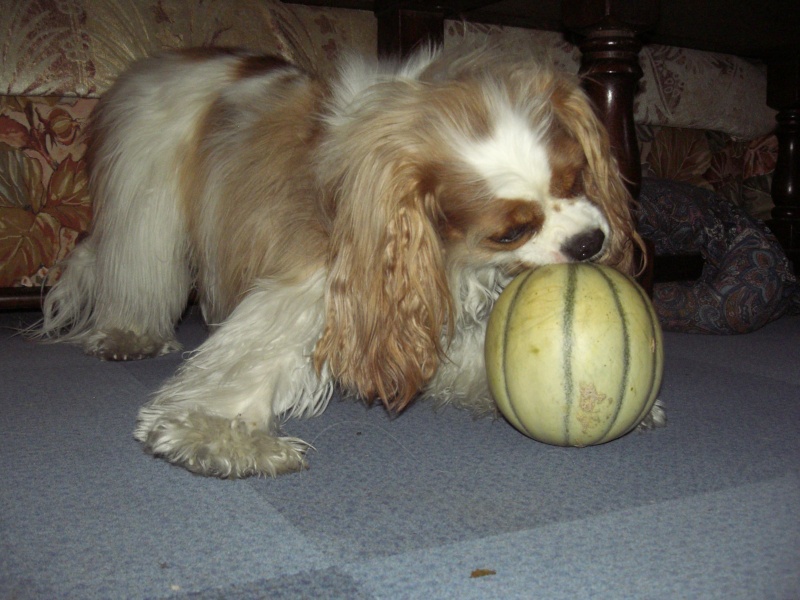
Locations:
{"points": [[388, 305], [602, 180]]}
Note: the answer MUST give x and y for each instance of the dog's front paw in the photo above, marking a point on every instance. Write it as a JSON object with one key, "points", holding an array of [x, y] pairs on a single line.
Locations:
{"points": [[118, 344], [656, 418], [217, 447]]}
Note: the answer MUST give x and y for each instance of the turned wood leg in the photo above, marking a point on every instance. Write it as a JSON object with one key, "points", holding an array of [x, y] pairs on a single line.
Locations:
{"points": [[785, 222], [610, 71]]}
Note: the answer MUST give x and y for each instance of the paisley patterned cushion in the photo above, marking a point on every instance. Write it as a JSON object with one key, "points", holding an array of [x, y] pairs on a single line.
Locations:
{"points": [[746, 281]]}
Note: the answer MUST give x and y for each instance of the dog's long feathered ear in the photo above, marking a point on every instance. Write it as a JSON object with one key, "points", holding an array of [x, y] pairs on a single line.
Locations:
{"points": [[603, 183], [388, 306]]}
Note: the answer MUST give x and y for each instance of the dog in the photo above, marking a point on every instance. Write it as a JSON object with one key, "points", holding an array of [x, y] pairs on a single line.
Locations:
{"points": [[347, 234]]}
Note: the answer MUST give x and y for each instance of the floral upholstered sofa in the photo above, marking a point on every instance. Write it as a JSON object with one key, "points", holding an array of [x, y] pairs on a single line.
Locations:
{"points": [[701, 118]]}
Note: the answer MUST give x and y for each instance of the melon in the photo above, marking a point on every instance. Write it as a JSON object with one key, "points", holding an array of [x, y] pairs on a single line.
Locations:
{"points": [[574, 354]]}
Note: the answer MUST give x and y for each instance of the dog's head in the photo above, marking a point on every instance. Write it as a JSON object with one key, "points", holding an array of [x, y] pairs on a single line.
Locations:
{"points": [[472, 162]]}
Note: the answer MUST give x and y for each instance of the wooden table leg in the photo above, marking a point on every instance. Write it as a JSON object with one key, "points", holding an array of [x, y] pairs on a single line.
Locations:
{"points": [[610, 72]]}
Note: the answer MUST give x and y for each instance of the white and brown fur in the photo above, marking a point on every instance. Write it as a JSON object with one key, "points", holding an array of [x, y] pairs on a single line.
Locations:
{"points": [[352, 233]]}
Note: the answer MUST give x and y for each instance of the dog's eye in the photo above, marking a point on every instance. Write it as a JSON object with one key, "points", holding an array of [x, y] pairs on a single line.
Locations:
{"points": [[512, 235]]}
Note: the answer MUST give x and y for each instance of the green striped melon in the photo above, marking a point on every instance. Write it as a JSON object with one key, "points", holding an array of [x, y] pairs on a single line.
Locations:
{"points": [[574, 354]]}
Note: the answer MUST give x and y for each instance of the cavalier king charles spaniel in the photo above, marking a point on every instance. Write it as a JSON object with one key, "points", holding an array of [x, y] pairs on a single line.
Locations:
{"points": [[349, 233]]}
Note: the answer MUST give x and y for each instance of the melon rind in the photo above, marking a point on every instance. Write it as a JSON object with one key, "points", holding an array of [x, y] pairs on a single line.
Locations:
{"points": [[574, 354]]}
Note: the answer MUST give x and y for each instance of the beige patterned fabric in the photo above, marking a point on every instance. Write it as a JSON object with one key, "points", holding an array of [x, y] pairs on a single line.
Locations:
{"points": [[679, 88], [78, 47]]}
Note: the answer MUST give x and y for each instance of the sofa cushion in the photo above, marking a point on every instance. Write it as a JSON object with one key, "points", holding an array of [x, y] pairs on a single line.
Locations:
{"points": [[746, 280]]}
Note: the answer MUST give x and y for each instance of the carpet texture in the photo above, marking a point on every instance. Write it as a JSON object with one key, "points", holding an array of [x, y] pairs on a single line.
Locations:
{"points": [[426, 505]]}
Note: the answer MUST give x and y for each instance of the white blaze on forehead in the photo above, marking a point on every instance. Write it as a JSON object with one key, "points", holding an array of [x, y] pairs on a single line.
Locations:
{"points": [[512, 160]]}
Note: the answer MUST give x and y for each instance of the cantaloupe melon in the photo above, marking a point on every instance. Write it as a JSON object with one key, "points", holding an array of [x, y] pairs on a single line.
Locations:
{"points": [[574, 354]]}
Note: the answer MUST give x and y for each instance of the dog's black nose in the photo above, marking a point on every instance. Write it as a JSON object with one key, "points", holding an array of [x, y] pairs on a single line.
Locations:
{"points": [[584, 246]]}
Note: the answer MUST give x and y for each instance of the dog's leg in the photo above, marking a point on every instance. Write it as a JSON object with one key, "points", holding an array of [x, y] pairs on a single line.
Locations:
{"points": [[121, 300], [461, 379], [136, 270], [123, 289], [657, 417], [220, 414]]}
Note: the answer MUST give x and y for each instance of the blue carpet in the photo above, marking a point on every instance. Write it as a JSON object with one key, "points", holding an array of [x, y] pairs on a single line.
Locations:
{"points": [[426, 505]]}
